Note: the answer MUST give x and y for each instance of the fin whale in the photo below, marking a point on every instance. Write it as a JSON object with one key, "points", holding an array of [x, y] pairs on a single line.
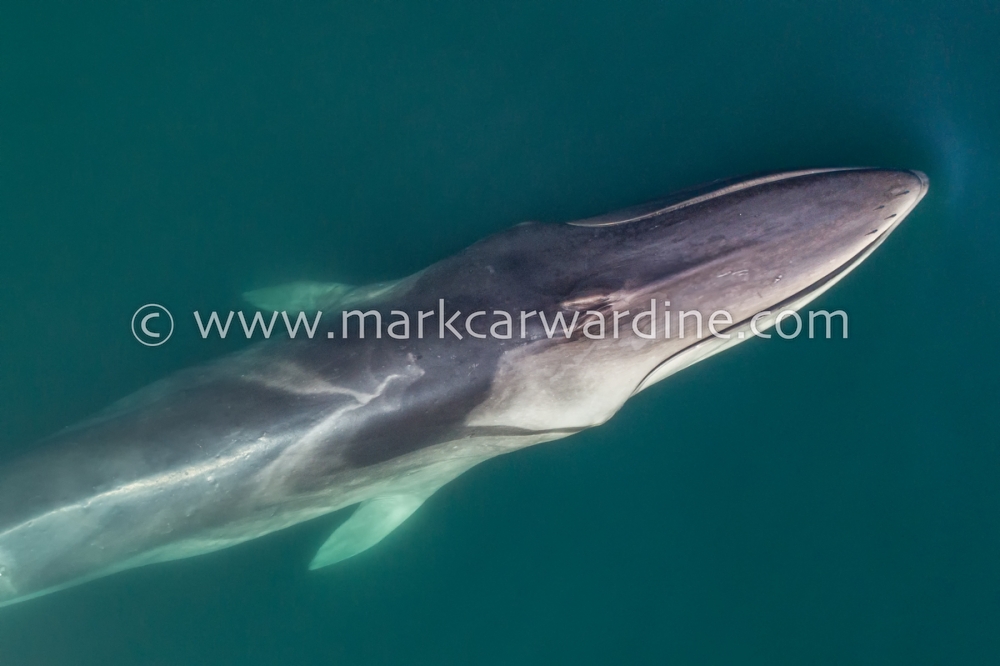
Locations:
{"points": [[288, 430]]}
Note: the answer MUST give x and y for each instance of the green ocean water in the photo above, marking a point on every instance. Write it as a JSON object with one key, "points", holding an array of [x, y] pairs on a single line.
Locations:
{"points": [[787, 502]]}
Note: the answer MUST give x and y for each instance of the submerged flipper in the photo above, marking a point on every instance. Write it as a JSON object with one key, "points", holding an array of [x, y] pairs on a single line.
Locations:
{"points": [[312, 296], [302, 296], [373, 520]]}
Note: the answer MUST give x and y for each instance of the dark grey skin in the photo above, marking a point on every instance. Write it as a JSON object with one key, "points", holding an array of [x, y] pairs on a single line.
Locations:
{"points": [[290, 430]]}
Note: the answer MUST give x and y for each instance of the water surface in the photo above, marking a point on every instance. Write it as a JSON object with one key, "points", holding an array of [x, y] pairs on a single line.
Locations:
{"points": [[820, 502]]}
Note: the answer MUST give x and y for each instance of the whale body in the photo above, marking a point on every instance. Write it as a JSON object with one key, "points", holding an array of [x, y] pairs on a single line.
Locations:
{"points": [[288, 430]]}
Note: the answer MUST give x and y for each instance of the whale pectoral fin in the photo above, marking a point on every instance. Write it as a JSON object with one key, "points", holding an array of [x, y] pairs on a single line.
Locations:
{"points": [[371, 522], [301, 296], [312, 296]]}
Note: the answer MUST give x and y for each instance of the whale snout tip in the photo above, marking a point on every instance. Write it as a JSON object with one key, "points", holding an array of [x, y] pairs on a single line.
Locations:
{"points": [[925, 183], [897, 191], [915, 191]]}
